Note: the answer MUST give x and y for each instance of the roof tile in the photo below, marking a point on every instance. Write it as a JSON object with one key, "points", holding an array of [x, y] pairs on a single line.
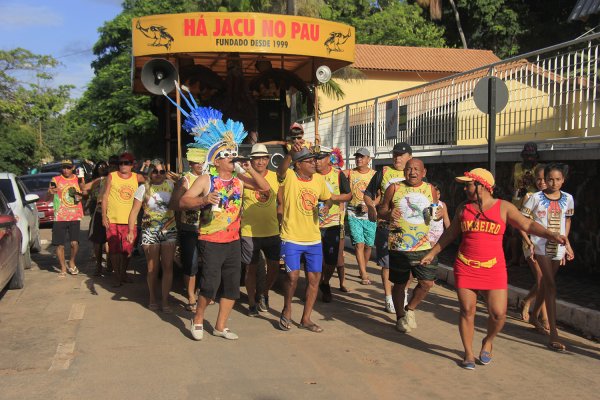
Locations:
{"points": [[421, 59]]}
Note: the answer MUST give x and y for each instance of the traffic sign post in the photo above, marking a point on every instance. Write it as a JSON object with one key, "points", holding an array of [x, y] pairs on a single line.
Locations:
{"points": [[491, 96]]}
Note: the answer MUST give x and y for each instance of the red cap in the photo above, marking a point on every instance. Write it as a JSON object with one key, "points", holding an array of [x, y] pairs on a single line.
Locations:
{"points": [[127, 156], [296, 125]]}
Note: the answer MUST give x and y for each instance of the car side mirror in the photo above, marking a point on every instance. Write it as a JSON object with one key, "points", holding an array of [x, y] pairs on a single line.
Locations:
{"points": [[31, 198]]}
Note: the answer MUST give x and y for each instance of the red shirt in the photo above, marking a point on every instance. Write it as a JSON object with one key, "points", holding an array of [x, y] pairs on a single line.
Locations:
{"points": [[480, 264]]}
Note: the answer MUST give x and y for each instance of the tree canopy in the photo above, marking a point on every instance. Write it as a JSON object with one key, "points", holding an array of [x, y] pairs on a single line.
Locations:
{"points": [[39, 120]]}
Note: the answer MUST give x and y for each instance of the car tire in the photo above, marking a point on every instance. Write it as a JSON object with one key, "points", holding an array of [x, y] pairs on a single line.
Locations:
{"points": [[18, 279], [36, 247], [27, 259]]}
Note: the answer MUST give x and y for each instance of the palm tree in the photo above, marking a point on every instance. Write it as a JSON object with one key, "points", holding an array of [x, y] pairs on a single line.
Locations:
{"points": [[435, 14]]}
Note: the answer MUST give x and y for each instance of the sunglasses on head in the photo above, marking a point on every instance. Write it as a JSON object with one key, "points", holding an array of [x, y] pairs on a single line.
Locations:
{"points": [[125, 163], [227, 154], [161, 172]]}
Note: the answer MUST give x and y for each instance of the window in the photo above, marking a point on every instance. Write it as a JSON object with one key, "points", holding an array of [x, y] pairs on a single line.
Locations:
{"points": [[6, 188]]}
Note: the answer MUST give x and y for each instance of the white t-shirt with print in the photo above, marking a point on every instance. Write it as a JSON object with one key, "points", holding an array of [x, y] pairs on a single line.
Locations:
{"points": [[551, 214]]}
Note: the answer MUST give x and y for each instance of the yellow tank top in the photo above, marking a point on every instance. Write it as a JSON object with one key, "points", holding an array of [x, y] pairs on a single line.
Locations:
{"points": [[189, 219], [390, 175], [332, 180], [358, 185], [120, 197], [259, 217], [410, 232]]}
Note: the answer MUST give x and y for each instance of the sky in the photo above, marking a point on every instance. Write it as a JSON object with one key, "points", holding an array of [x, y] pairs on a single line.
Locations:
{"points": [[64, 29]]}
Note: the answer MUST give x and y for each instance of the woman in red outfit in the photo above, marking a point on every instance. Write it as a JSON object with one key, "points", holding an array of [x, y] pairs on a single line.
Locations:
{"points": [[480, 264]]}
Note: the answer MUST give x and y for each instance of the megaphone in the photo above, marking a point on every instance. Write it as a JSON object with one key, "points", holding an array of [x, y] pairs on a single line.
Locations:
{"points": [[323, 74], [159, 74]]}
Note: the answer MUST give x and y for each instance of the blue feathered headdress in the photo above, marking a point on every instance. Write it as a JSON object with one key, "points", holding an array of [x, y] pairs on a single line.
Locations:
{"points": [[211, 134]]}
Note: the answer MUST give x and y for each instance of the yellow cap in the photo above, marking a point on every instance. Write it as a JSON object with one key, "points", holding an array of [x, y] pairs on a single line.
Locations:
{"points": [[480, 175]]}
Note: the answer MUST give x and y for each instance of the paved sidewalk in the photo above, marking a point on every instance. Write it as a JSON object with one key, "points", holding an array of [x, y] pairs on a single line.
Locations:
{"points": [[79, 338]]}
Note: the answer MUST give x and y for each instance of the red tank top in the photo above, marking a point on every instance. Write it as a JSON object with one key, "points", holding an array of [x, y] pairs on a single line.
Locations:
{"points": [[480, 261], [482, 232]]}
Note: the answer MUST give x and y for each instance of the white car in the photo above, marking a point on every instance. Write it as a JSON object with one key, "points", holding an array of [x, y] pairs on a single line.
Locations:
{"points": [[23, 206]]}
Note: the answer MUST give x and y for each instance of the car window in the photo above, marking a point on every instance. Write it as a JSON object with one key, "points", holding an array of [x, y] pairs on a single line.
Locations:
{"points": [[22, 189], [7, 190], [37, 182], [4, 208]]}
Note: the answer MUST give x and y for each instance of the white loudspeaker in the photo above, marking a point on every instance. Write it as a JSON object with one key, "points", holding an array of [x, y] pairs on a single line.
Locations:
{"points": [[323, 74]]}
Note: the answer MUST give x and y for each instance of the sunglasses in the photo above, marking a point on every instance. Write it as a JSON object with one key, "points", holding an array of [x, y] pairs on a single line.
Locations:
{"points": [[296, 137], [125, 163], [67, 167], [310, 160], [227, 154], [161, 172]]}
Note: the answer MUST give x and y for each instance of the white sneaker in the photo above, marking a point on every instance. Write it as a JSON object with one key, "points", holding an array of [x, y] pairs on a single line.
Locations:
{"points": [[389, 307], [402, 325], [226, 333], [197, 330], [411, 319]]}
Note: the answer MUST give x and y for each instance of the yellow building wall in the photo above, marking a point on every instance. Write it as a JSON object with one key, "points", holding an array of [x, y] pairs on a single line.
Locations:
{"points": [[530, 115], [376, 83]]}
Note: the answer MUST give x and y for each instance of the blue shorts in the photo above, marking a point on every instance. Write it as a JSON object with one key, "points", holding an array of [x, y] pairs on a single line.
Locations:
{"points": [[291, 253], [362, 231]]}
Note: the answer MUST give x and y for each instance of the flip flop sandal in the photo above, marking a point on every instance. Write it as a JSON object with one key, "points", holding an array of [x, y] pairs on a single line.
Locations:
{"points": [[167, 309], [365, 282], [191, 307], [312, 327], [284, 323], [524, 311], [343, 289], [62, 274], [153, 307], [557, 346], [468, 364]]}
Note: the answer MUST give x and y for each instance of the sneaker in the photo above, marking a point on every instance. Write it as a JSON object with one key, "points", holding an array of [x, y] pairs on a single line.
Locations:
{"points": [[411, 318], [252, 311], [389, 307], [197, 330], [326, 289], [262, 304], [402, 325], [226, 334]]}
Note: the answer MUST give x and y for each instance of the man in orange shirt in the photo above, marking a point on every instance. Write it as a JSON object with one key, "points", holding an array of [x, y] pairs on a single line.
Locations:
{"points": [[68, 212], [117, 201]]}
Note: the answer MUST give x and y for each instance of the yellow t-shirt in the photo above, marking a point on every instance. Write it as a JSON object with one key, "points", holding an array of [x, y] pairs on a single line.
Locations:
{"points": [[301, 207], [332, 180], [259, 216], [120, 197], [410, 232]]}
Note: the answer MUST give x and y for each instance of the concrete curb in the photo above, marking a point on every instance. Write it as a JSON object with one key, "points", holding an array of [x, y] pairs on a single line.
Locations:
{"points": [[580, 318], [583, 319]]}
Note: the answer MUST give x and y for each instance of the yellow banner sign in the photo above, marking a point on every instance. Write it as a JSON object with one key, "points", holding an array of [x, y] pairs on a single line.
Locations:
{"points": [[242, 32]]}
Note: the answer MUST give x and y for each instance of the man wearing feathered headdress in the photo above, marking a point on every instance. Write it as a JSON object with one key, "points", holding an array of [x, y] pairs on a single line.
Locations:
{"points": [[219, 195]]}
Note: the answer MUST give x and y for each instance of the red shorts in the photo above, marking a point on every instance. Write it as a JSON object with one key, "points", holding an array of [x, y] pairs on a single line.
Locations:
{"points": [[116, 236]]}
